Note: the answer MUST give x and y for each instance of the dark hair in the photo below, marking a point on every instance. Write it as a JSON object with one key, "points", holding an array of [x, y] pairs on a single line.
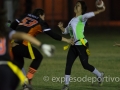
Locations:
{"points": [[83, 6], [38, 12], [3, 20]]}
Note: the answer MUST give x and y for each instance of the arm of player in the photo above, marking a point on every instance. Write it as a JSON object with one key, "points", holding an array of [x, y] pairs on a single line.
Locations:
{"points": [[64, 30], [14, 24], [60, 25], [70, 41], [58, 37], [46, 48], [48, 31], [116, 44], [24, 36], [92, 14], [99, 10], [87, 16]]}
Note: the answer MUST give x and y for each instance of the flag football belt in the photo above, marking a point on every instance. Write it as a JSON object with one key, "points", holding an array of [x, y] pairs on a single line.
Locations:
{"points": [[15, 69], [87, 50], [67, 46], [83, 43], [30, 50]]}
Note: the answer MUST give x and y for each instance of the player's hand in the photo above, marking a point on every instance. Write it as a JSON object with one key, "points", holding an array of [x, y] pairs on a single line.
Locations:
{"points": [[48, 49], [103, 8], [70, 41], [116, 44], [14, 44], [60, 25]]}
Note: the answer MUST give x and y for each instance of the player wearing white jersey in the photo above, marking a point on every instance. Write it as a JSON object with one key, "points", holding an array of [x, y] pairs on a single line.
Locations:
{"points": [[76, 30]]}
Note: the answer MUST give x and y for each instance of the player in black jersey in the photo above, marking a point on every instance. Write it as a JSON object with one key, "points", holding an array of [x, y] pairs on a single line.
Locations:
{"points": [[32, 24], [10, 74]]}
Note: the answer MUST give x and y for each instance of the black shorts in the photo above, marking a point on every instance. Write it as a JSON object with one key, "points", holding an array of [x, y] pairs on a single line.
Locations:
{"points": [[20, 51]]}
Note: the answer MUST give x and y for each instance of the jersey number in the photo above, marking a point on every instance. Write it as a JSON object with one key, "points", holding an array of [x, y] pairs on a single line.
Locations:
{"points": [[29, 22], [2, 46]]}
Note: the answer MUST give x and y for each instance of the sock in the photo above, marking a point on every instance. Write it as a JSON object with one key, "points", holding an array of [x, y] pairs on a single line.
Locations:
{"points": [[97, 73], [31, 73], [23, 70], [67, 79]]}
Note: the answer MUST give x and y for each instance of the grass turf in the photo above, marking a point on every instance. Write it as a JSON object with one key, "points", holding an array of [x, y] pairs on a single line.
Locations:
{"points": [[103, 56]]}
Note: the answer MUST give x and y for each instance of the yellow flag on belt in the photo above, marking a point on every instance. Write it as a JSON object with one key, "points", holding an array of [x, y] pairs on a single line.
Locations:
{"points": [[66, 47]]}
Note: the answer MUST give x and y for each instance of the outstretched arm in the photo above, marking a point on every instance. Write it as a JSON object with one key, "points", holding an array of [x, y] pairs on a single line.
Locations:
{"points": [[116, 44], [24, 36], [99, 10], [47, 49], [58, 37], [92, 14]]}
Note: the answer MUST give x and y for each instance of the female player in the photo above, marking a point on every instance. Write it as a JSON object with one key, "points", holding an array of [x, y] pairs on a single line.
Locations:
{"points": [[80, 48], [10, 73], [33, 24]]}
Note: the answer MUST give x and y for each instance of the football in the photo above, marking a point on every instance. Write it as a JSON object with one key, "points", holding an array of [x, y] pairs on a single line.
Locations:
{"points": [[99, 3]]}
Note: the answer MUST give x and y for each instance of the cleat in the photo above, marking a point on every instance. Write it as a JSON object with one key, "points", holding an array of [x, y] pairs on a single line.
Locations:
{"points": [[101, 79], [27, 87], [65, 87]]}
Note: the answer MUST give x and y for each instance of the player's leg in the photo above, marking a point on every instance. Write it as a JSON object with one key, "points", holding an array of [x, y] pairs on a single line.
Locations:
{"points": [[33, 67], [71, 56], [84, 60], [35, 63], [18, 53], [23, 70]]}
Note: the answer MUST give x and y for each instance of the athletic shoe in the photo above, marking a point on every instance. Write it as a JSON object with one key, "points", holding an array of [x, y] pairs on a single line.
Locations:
{"points": [[27, 87], [65, 87], [101, 79]]}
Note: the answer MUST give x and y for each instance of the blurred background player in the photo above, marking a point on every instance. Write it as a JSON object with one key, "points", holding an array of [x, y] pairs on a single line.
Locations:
{"points": [[10, 73], [32, 24], [76, 29], [117, 44]]}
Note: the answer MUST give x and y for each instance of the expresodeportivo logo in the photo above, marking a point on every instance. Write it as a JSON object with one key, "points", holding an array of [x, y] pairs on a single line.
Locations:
{"points": [[81, 79]]}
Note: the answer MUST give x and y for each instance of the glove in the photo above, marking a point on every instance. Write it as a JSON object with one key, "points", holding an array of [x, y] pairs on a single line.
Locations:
{"points": [[48, 49]]}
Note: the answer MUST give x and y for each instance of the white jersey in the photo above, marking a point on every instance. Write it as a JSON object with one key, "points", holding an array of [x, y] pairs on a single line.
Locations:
{"points": [[76, 27]]}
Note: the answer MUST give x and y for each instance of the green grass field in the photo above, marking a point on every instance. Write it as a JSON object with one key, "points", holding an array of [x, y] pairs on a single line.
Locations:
{"points": [[103, 56]]}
